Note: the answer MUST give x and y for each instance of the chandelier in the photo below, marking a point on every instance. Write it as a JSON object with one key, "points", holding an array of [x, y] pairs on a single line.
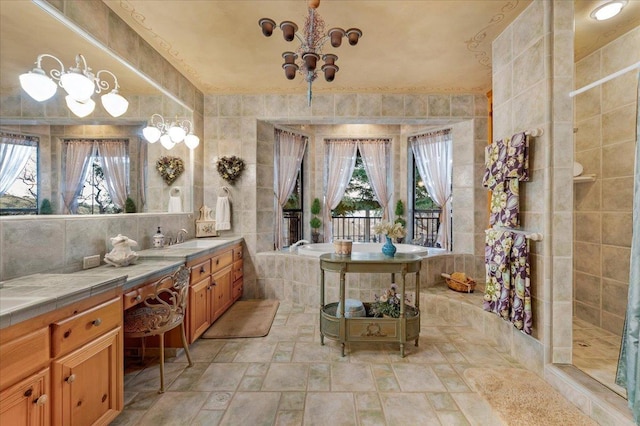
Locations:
{"points": [[170, 133], [313, 37], [79, 83]]}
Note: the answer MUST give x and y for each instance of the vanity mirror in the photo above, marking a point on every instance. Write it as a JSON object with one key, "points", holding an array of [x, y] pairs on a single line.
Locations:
{"points": [[32, 28]]}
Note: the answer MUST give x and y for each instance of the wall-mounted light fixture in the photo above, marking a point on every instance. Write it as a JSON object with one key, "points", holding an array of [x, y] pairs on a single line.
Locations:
{"points": [[608, 9], [313, 37], [170, 133], [79, 83]]}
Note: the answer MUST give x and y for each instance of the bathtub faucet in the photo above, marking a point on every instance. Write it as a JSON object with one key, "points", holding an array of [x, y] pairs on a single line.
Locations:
{"points": [[297, 243]]}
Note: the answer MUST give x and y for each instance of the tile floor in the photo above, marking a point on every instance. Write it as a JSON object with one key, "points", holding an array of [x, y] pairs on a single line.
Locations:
{"points": [[595, 352], [288, 378]]}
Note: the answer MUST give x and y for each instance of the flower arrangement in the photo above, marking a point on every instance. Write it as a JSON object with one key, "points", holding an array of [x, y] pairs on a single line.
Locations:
{"points": [[170, 168], [388, 303], [230, 168], [391, 230]]}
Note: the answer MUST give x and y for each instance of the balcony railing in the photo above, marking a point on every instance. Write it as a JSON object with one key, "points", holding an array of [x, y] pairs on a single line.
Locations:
{"points": [[426, 224], [355, 228], [292, 226]]}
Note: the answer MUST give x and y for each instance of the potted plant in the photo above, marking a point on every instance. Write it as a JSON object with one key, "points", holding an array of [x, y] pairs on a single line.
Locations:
{"points": [[400, 217], [315, 221], [129, 206], [45, 207]]}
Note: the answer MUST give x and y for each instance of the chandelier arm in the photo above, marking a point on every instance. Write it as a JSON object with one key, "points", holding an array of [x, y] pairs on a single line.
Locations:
{"points": [[159, 124], [54, 73], [103, 84]]}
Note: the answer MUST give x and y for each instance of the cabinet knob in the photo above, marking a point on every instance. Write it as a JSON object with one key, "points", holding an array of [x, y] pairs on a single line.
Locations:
{"points": [[138, 298], [41, 400], [97, 322], [217, 261], [202, 269], [71, 378], [28, 392], [213, 283]]}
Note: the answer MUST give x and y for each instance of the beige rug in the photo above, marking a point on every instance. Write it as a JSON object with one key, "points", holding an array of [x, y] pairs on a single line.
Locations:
{"points": [[521, 398], [246, 318]]}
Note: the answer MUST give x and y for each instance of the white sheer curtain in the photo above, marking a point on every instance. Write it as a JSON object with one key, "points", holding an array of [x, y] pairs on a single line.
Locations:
{"points": [[77, 159], [341, 159], [15, 151], [142, 174], [375, 158], [433, 154], [115, 162], [290, 149]]}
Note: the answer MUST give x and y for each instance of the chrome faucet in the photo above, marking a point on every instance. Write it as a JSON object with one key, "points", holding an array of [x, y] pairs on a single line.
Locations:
{"points": [[180, 237]]}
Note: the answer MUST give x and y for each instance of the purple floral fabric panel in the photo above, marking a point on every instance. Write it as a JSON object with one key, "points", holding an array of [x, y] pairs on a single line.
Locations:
{"points": [[521, 314], [516, 164], [495, 157], [505, 204], [497, 293]]}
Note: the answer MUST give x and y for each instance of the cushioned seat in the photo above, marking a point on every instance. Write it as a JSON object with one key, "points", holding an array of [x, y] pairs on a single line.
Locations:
{"points": [[352, 308]]}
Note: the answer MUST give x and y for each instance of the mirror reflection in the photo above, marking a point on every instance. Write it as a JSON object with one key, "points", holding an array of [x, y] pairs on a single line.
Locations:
{"points": [[61, 163]]}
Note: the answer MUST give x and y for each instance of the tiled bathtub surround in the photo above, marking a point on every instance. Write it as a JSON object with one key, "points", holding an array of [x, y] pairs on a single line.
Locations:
{"points": [[604, 145]]}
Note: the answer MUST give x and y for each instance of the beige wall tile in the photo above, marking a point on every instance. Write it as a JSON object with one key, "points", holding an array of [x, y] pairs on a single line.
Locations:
{"points": [[587, 258], [617, 228], [618, 125], [588, 289], [615, 263], [588, 226], [588, 135]]}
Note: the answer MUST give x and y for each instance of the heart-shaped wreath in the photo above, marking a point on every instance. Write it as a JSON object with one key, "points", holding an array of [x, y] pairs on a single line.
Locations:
{"points": [[230, 168], [170, 168]]}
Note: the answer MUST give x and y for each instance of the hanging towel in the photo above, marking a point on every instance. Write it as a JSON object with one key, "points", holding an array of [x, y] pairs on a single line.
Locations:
{"points": [[175, 201], [495, 156], [505, 204], [223, 214], [517, 158], [520, 284], [498, 273]]}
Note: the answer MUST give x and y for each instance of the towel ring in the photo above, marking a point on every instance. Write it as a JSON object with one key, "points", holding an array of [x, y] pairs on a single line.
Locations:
{"points": [[224, 192]]}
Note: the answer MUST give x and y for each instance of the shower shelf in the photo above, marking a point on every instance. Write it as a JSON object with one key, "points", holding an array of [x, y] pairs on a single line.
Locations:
{"points": [[584, 178]]}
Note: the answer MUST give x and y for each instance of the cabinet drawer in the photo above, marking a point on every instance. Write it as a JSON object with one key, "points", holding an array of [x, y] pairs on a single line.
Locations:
{"points": [[237, 253], [237, 270], [79, 329], [237, 290], [200, 271], [220, 261], [23, 355], [136, 296]]}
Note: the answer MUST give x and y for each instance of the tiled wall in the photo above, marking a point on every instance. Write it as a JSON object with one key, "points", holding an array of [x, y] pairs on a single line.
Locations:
{"points": [[532, 78], [605, 145], [243, 125]]}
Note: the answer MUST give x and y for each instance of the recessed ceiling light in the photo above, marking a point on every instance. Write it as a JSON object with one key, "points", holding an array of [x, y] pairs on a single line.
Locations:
{"points": [[608, 10]]}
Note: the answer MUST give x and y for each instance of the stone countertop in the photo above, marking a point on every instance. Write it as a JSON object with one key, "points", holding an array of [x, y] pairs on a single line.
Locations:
{"points": [[32, 295]]}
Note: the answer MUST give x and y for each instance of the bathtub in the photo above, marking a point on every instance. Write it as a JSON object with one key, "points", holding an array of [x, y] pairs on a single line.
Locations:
{"points": [[321, 248]]}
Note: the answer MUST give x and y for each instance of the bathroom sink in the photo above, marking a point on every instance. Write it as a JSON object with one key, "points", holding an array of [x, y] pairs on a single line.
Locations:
{"points": [[198, 244]]}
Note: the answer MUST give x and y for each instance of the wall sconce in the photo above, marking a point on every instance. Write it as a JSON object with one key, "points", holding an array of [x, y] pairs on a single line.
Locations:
{"points": [[79, 83], [170, 133]]}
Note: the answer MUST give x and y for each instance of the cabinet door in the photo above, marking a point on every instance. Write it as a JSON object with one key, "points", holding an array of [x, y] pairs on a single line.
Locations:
{"points": [[87, 383], [27, 402], [199, 308], [222, 297]]}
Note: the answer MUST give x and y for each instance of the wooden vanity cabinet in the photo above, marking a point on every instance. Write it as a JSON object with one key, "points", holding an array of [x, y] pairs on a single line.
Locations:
{"points": [[27, 403], [64, 367], [238, 268], [213, 288]]}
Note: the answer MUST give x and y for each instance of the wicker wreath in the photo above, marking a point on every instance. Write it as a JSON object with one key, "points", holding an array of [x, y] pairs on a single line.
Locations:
{"points": [[170, 168], [230, 168]]}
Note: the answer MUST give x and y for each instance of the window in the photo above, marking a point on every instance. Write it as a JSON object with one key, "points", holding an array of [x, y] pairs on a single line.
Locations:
{"points": [[18, 174], [292, 211], [426, 213], [96, 176]]}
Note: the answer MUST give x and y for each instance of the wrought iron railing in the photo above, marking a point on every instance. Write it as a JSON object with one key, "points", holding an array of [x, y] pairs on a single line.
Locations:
{"points": [[425, 225], [292, 230], [355, 228]]}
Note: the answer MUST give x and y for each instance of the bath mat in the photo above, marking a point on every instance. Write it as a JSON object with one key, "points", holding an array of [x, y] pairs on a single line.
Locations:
{"points": [[246, 318], [521, 398]]}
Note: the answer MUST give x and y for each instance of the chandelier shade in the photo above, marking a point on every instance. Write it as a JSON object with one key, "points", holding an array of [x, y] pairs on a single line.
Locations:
{"points": [[170, 133], [78, 82], [312, 39]]}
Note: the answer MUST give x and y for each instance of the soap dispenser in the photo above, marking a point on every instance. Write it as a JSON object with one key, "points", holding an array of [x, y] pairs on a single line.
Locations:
{"points": [[158, 239]]}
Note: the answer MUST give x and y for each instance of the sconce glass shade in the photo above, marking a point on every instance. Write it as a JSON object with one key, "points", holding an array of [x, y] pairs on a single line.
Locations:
{"points": [[77, 85], [38, 85], [329, 59], [290, 70], [336, 34], [289, 57], [176, 133], [115, 104], [329, 71], [81, 109], [267, 26], [151, 134], [288, 30], [166, 141], [353, 35], [191, 141]]}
